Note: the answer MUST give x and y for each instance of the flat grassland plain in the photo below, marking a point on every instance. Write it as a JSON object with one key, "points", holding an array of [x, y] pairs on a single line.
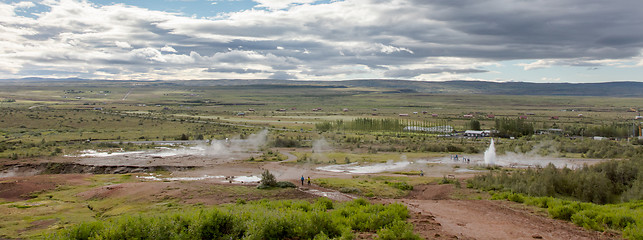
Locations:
{"points": [[119, 159]]}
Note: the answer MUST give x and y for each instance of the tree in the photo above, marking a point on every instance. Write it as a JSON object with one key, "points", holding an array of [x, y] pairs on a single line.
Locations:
{"points": [[474, 125], [268, 179], [513, 127]]}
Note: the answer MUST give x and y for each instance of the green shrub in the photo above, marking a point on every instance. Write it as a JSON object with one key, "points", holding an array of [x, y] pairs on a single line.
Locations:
{"points": [[274, 226], [323, 204], [500, 196], [350, 190], [347, 234], [563, 212], [633, 231], [401, 185], [321, 236], [541, 202], [586, 219], [516, 197], [361, 202], [217, 225], [285, 184], [359, 221], [616, 220], [82, 231], [397, 230], [445, 180]]}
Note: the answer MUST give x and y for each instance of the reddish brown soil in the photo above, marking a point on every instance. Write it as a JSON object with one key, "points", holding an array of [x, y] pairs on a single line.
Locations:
{"points": [[41, 224], [431, 192], [204, 192], [440, 217], [19, 188]]}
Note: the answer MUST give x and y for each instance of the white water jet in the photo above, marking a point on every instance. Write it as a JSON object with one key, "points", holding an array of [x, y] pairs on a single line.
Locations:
{"points": [[490, 154]]}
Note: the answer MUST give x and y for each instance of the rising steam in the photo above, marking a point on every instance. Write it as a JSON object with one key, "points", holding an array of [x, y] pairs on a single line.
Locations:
{"points": [[490, 154]]}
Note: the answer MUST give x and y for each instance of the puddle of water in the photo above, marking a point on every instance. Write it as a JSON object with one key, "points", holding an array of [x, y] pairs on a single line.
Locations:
{"points": [[233, 179], [246, 179], [155, 178], [331, 195], [373, 168], [467, 171], [94, 153]]}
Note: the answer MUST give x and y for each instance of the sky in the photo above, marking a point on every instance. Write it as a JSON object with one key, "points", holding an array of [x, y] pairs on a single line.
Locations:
{"points": [[572, 41]]}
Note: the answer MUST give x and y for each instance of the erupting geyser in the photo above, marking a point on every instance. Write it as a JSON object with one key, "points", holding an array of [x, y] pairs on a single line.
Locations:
{"points": [[490, 154]]}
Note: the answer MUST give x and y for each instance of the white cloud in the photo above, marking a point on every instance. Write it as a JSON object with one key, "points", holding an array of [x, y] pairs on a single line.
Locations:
{"points": [[25, 5], [168, 48], [122, 44], [391, 49], [581, 62], [281, 4], [537, 64]]}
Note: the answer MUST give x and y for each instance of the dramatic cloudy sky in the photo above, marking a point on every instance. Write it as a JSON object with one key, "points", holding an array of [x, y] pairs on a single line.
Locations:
{"points": [[431, 40]]}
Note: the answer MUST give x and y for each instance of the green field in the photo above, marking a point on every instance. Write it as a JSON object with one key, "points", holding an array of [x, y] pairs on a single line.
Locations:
{"points": [[45, 115]]}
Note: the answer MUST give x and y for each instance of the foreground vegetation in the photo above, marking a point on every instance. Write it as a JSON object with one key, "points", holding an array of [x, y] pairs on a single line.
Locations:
{"points": [[264, 219]]}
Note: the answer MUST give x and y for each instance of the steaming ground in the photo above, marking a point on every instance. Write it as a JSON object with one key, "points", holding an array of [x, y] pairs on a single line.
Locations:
{"points": [[202, 154], [218, 161], [216, 152]]}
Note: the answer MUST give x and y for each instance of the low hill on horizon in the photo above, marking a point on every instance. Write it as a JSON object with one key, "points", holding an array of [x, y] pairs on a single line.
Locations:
{"points": [[607, 89]]}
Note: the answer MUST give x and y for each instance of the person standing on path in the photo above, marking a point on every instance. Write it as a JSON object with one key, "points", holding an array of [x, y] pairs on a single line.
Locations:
{"points": [[302, 180], [308, 180]]}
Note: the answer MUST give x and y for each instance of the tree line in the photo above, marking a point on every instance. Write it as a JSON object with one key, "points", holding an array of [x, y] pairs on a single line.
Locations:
{"points": [[381, 125], [607, 182]]}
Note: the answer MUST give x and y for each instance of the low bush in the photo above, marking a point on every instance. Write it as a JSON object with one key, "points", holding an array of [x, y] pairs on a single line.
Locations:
{"points": [[284, 184], [586, 219], [445, 180], [401, 185], [398, 230], [350, 190], [515, 197], [563, 212]]}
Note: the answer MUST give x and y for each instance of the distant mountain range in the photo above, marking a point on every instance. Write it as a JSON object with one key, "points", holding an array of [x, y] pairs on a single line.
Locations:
{"points": [[607, 89], [611, 89]]}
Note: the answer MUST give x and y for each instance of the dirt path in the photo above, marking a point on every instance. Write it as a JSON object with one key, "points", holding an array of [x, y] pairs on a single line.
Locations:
{"points": [[483, 219], [486, 219]]}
